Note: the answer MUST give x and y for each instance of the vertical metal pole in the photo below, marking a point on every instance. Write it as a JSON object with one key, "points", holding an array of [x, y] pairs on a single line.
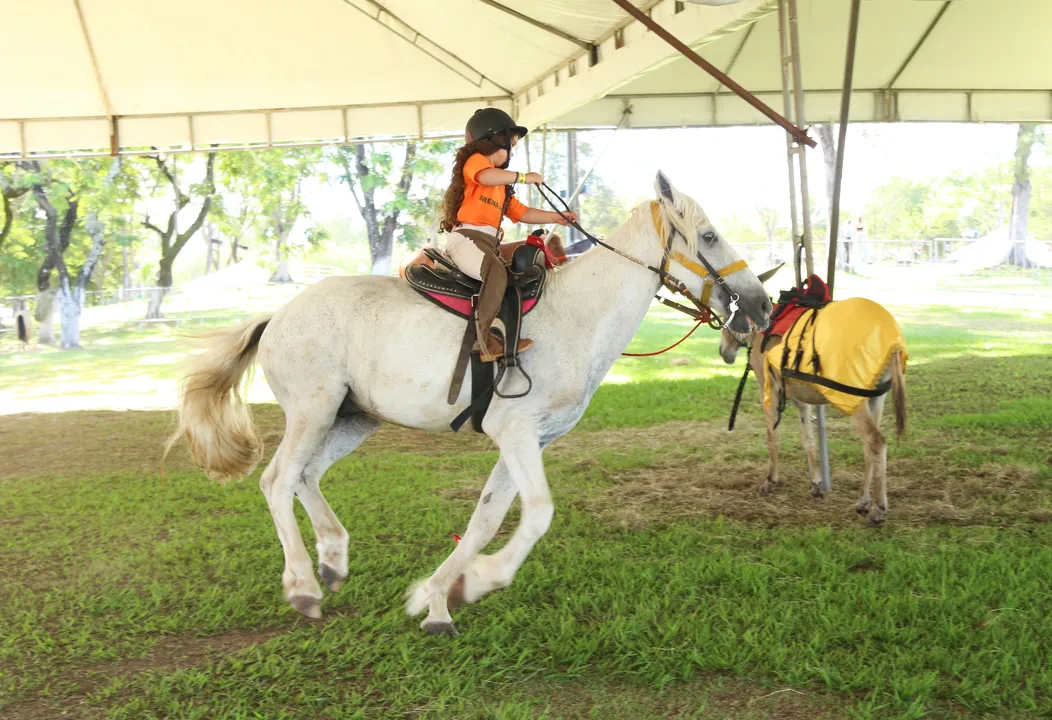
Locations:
{"points": [[845, 110], [790, 145], [571, 175], [798, 91], [796, 154]]}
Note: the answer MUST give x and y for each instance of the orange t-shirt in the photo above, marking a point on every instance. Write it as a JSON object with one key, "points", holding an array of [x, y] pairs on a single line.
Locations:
{"points": [[482, 203]]}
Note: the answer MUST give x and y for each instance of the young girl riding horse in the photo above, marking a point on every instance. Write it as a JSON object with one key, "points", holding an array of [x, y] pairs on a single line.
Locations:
{"points": [[479, 197]]}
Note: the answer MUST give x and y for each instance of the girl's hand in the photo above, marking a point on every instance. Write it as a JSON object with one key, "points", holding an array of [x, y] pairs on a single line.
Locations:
{"points": [[560, 220], [534, 179]]}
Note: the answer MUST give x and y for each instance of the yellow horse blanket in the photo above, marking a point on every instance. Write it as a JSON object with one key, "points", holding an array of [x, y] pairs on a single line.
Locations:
{"points": [[854, 339]]}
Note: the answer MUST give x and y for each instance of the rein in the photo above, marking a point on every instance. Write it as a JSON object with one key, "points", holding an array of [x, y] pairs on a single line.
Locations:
{"points": [[701, 312]]}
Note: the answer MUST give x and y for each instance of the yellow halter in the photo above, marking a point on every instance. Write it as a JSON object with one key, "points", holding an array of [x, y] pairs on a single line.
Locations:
{"points": [[694, 267]]}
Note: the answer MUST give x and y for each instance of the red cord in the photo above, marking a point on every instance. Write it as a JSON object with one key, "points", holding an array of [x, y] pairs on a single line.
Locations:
{"points": [[659, 352]]}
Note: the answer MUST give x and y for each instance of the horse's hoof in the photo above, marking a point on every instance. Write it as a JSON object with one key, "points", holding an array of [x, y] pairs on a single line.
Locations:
{"points": [[817, 492], [439, 628], [863, 509], [875, 519], [331, 578], [306, 606], [766, 489], [456, 594]]}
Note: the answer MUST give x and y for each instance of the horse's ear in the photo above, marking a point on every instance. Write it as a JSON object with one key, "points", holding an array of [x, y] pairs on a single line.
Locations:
{"points": [[664, 187], [765, 276]]}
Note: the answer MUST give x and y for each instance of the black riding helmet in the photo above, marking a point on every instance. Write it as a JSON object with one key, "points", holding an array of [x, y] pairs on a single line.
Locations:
{"points": [[487, 122]]}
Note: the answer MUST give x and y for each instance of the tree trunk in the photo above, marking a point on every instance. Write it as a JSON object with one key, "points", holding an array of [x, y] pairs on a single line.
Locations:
{"points": [[1025, 139], [281, 254], [125, 281], [828, 142], [70, 303], [208, 232], [45, 316], [283, 274], [164, 285], [381, 263]]}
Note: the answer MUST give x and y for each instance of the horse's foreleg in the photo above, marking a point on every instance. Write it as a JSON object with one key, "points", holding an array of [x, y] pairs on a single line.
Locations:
{"points": [[807, 438], [770, 415], [278, 483], [434, 593], [523, 454], [343, 438]]}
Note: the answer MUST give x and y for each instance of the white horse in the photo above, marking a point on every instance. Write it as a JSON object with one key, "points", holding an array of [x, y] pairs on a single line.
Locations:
{"points": [[350, 352]]}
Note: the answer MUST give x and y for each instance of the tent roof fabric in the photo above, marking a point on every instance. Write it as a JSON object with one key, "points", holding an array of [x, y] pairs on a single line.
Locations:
{"points": [[93, 76]]}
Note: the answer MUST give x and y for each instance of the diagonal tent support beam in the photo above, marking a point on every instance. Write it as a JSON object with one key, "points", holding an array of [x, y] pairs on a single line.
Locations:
{"points": [[387, 19], [114, 140], [920, 43], [538, 24], [580, 185], [737, 54], [797, 133]]}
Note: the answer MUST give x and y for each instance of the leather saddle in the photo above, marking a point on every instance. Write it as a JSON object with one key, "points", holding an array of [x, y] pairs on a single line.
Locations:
{"points": [[445, 285]]}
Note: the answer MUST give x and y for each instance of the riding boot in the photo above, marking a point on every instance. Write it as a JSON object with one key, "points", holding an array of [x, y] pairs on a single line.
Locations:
{"points": [[494, 275], [494, 346]]}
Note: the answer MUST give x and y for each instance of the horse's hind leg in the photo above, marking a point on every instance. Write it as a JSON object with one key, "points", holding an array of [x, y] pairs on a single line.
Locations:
{"points": [[343, 438], [875, 449], [304, 434]]}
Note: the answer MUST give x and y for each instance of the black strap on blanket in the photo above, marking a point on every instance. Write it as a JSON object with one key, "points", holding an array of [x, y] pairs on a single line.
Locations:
{"points": [[839, 387]]}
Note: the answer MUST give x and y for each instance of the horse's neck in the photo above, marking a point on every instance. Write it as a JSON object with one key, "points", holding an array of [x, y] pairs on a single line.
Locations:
{"points": [[603, 297]]}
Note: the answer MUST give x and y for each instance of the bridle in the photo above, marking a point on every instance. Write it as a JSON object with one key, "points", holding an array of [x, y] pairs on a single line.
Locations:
{"points": [[712, 277]]}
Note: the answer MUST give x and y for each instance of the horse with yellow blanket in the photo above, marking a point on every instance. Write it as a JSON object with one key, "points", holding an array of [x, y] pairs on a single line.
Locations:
{"points": [[848, 354]]}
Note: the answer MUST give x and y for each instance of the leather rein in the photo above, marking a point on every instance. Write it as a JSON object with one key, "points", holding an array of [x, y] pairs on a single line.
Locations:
{"points": [[701, 312]]}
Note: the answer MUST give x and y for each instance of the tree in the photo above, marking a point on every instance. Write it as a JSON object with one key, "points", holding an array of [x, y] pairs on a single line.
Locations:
{"points": [[601, 208], [172, 241], [59, 204], [1026, 137], [267, 187], [234, 210], [369, 174], [12, 188], [61, 190]]}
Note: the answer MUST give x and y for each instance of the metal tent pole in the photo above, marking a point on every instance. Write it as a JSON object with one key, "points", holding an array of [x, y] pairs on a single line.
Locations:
{"points": [[845, 110], [571, 175], [796, 156]]}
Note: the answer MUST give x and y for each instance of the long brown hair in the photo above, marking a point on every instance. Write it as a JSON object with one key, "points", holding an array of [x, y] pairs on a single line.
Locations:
{"points": [[455, 193]]}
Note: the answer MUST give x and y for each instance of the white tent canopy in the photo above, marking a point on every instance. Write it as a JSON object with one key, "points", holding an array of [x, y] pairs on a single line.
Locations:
{"points": [[916, 60], [94, 75]]}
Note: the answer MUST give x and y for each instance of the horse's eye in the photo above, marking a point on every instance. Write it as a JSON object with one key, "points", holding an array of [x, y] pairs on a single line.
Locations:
{"points": [[709, 236]]}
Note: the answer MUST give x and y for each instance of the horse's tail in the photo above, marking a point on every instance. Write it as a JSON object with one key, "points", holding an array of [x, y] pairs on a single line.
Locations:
{"points": [[215, 420], [898, 390], [23, 331]]}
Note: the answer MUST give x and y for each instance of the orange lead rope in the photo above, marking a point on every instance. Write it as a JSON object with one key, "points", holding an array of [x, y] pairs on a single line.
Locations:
{"points": [[659, 352]]}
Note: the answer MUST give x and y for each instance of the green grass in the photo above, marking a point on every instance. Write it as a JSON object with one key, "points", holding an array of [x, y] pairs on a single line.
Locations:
{"points": [[126, 596]]}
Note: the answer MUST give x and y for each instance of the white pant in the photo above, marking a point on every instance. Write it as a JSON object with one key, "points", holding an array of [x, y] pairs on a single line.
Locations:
{"points": [[464, 254]]}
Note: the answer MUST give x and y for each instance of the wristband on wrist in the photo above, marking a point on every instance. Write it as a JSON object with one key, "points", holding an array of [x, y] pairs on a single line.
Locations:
{"points": [[522, 178]]}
